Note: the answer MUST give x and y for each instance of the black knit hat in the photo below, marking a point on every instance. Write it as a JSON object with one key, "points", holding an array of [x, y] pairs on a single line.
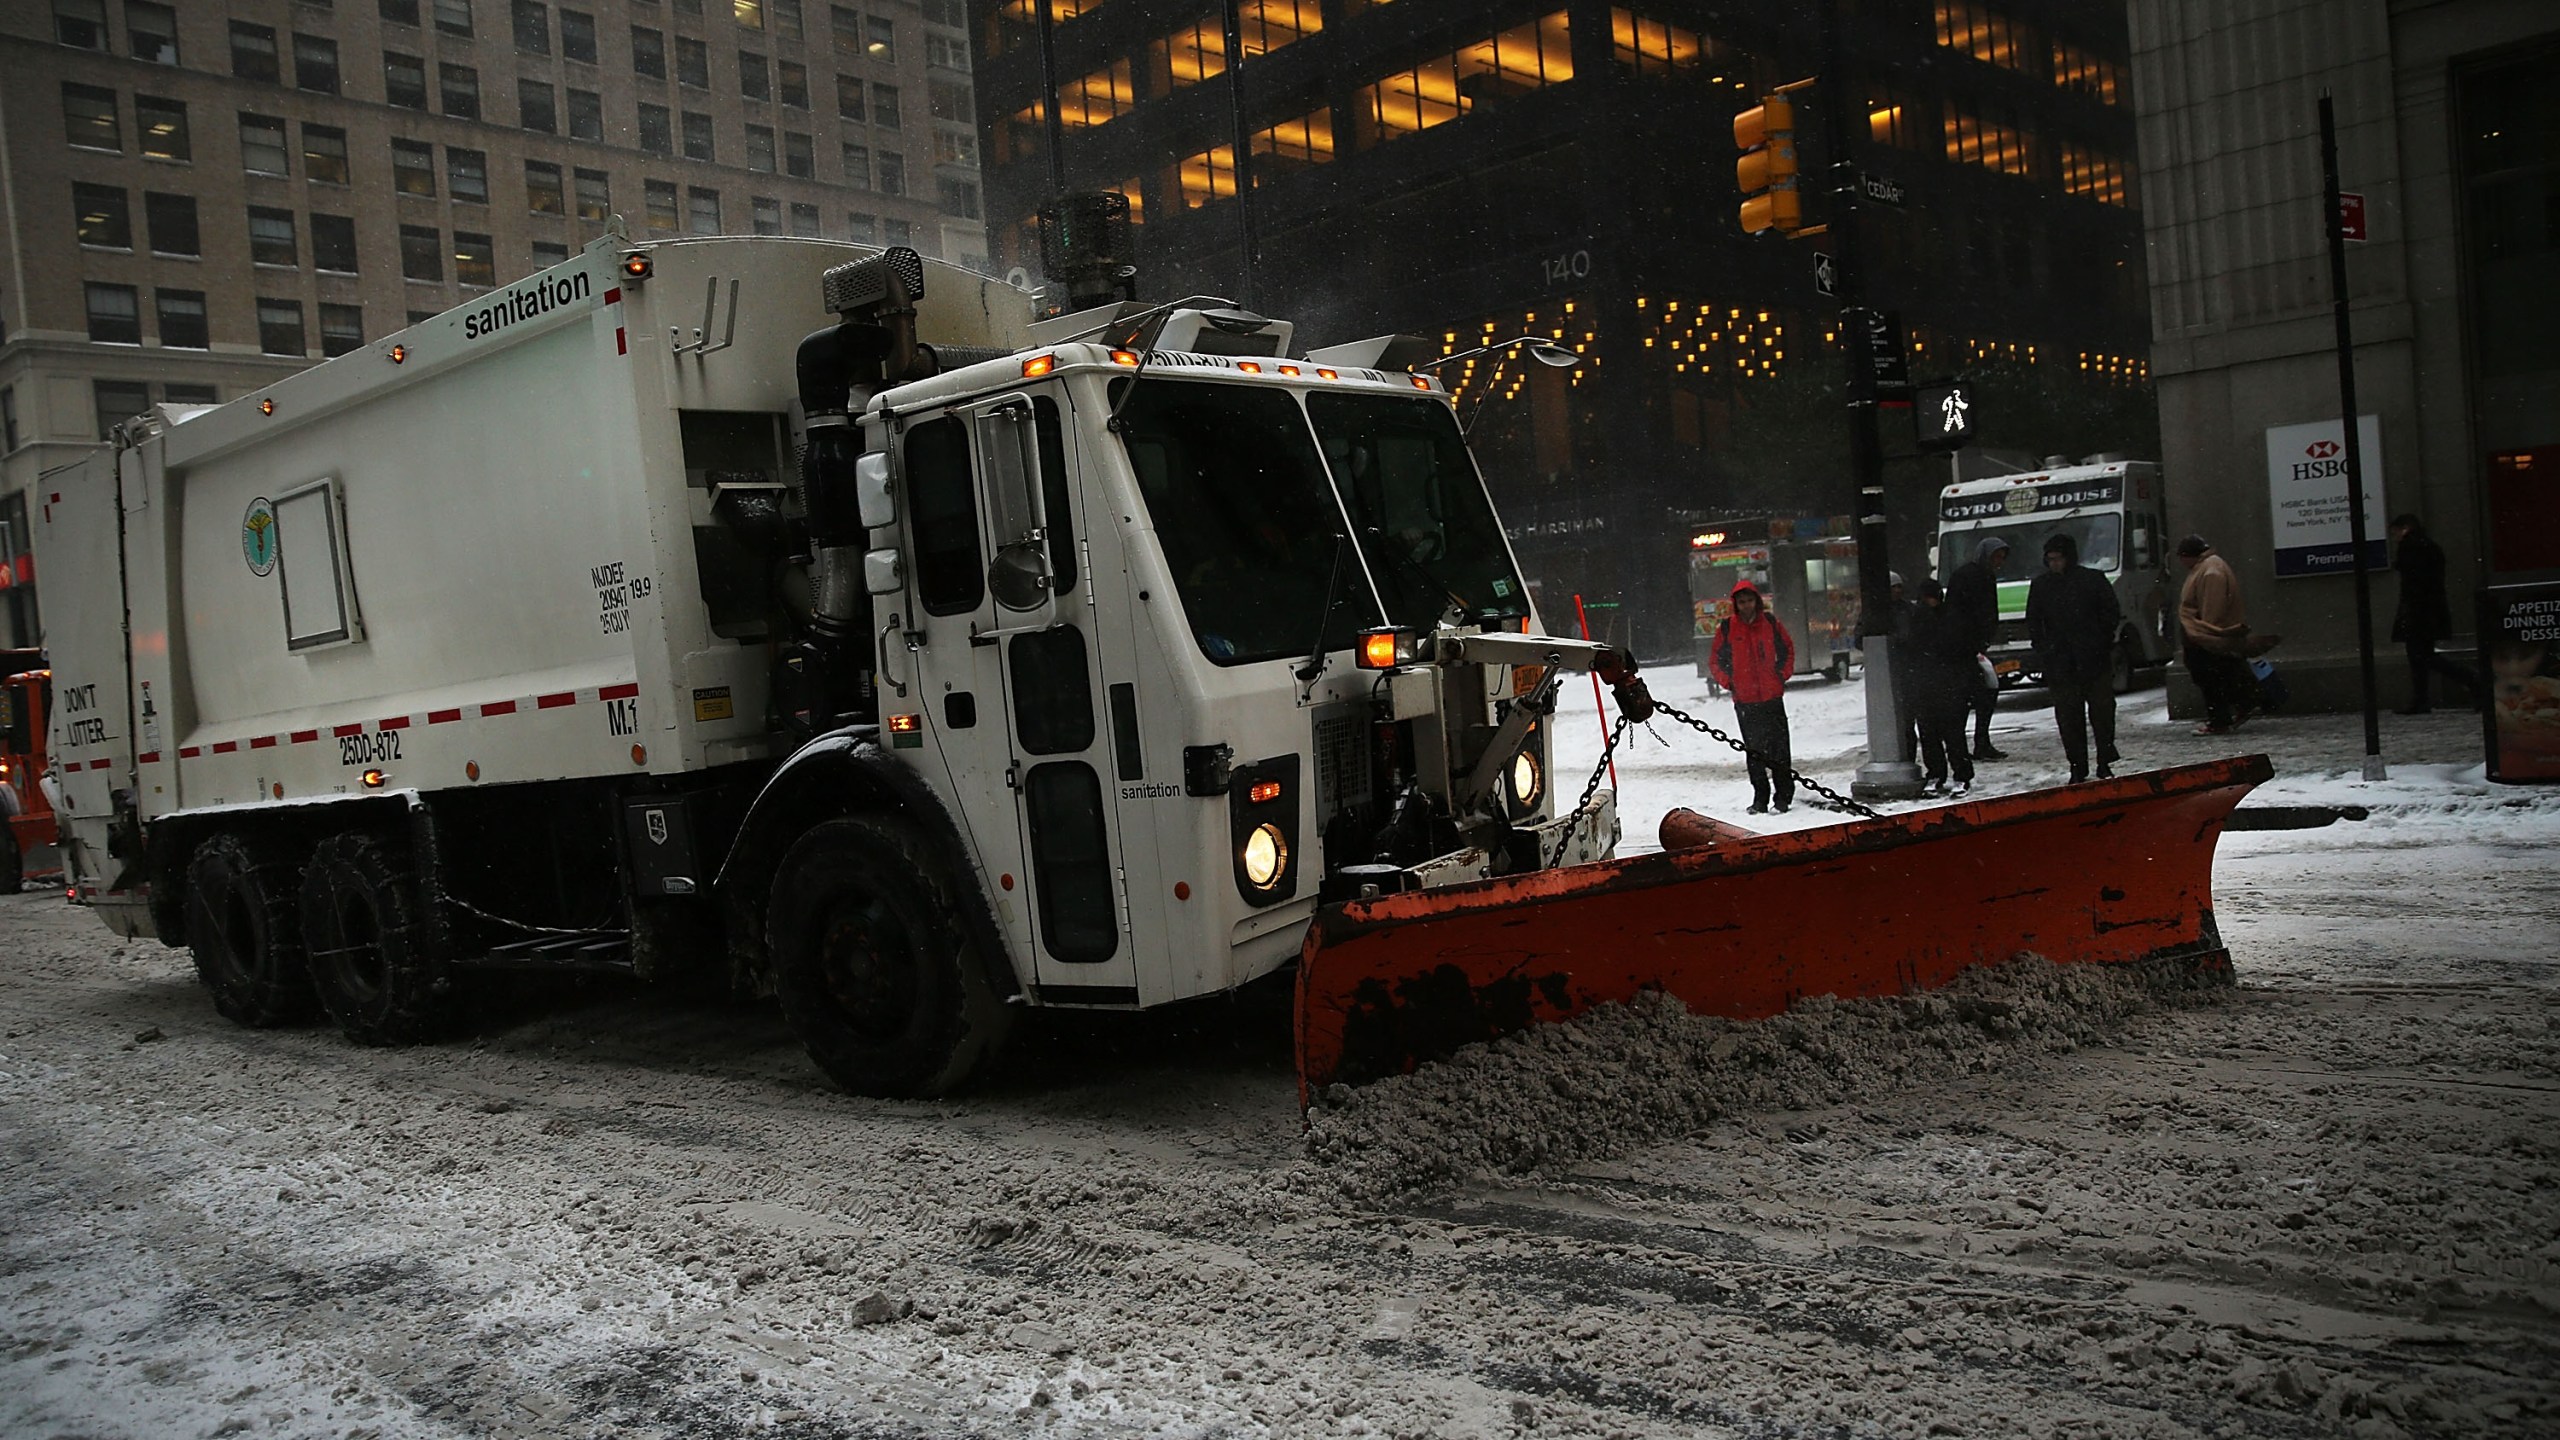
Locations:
{"points": [[2192, 545]]}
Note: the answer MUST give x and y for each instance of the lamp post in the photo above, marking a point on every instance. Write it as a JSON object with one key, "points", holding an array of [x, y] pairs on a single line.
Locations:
{"points": [[1541, 349]]}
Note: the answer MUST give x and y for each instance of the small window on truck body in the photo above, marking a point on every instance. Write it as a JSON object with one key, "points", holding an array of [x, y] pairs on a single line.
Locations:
{"points": [[943, 517], [311, 568]]}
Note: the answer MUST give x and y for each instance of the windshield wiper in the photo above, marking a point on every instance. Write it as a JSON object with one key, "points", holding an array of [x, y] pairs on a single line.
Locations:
{"points": [[1319, 656]]}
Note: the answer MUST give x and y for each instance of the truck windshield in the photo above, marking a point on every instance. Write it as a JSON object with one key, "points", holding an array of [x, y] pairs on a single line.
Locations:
{"points": [[1247, 522], [2100, 537], [1424, 522]]}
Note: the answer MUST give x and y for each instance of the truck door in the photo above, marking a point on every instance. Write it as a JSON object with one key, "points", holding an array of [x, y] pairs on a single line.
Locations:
{"points": [[1010, 679]]}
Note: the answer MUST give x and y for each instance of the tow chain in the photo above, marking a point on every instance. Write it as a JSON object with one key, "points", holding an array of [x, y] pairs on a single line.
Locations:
{"points": [[1618, 732]]}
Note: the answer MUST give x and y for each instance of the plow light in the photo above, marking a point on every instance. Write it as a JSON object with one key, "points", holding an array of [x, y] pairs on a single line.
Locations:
{"points": [[1265, 854], [1385, 649], [1528, 780]]}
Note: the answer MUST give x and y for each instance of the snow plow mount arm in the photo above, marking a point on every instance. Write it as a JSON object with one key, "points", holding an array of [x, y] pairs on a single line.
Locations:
{"points": [[1616, 667]]}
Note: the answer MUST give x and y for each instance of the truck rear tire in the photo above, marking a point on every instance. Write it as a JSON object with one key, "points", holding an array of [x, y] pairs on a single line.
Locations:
{"points": [[245, 933], [873, 966], [377, 956]]}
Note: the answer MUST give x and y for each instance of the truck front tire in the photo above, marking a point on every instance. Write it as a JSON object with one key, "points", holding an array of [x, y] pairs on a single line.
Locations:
{"points": [[245, 934], [872, 965], [377, 956]]}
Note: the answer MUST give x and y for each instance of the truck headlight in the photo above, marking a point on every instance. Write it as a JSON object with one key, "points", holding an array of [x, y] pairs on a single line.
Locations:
{"points": [[1265, 855], [1527, 780]]}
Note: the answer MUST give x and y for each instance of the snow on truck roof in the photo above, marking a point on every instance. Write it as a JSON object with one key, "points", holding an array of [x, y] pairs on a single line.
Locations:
{"points": [[1038, 361], [2059, 475]]}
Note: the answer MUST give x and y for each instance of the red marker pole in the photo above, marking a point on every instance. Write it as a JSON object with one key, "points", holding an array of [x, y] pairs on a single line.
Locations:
{"points": [[1596, 703]]}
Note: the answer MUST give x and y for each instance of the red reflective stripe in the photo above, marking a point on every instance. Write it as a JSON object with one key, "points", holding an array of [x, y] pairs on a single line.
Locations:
{"points": [[617, 692], [613, 296], [554, 702], [147, 757], [225, 747], [498, 707], [189, 752], [443, 717], [305, 737], [263, 742], [343, 731], [396, 722], [621, 341]]}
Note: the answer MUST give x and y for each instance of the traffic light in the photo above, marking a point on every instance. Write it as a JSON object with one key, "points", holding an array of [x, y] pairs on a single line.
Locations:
{"points": [[1767, 134]]}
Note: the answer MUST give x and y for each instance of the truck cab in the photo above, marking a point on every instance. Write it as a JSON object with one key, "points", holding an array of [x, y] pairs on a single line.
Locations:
{"points": [[2113, 509]]}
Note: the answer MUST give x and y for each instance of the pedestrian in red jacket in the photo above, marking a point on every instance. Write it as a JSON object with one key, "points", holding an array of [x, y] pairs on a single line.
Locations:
{"points": [[1752, 657]]}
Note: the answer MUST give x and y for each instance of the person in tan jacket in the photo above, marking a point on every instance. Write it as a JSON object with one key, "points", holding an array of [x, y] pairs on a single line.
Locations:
{"points": [[2214, 622]]}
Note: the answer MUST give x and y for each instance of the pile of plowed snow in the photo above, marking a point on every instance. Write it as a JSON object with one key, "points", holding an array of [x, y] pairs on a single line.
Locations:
{"points": [[1623, 1076]]}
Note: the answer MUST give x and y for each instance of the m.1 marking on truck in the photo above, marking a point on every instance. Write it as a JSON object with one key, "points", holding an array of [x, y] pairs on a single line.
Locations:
{"points": [[376, 748], [540, 297], [258, 537], [622, 717]]}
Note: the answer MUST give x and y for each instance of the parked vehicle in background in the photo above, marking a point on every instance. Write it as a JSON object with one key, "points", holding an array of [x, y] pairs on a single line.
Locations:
{"points": [[1809, 578], [2112, 509]]}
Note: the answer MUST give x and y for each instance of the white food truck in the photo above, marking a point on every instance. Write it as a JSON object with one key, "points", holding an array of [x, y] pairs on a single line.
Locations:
{"points": [[2113, 509]]}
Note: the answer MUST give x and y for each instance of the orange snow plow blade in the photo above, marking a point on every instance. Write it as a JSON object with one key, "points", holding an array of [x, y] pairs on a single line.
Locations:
{"points": [[2112, 872]]}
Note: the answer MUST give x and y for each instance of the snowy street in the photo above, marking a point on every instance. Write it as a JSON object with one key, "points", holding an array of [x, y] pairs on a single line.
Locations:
{"points": [[2045, 1203]]}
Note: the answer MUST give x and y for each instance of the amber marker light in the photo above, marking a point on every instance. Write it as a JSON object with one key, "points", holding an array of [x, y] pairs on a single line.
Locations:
{"points": [[399, 354], [373, 779], [906, 724], [266, 407], [471, 770], [1381, 650], [1288, 369], [1263, 792], [1124, 357], [1038, 365], [1250, 367], [635, 266], [639, 754], [1328, 374], [1421, 382]]}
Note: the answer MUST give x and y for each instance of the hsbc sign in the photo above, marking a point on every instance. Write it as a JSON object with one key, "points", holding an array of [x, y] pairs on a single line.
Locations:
{"points": [[2307, 497]]}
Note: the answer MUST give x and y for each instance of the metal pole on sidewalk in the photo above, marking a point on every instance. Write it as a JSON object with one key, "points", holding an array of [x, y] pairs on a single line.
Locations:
{"points": [[2373, 767]]}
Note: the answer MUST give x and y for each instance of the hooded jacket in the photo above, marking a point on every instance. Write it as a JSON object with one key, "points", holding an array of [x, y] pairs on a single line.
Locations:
{"points": [[1973, 596], [1752, 659], [2072, 619]]}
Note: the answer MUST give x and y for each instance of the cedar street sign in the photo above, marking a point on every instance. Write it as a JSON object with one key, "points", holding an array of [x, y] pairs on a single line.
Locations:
{"points": [[1879, 189]]}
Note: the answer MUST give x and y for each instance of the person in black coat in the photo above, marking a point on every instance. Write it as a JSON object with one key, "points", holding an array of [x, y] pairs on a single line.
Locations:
{"points": [[1973, 599], [2072, 620], [1942, 677], [2424, 616]]}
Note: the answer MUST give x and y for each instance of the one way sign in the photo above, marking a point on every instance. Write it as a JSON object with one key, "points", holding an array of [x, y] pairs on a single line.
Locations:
{"points": [[1826, 274]]}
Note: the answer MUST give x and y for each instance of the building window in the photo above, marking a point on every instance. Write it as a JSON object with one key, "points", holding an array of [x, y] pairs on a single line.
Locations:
{"points": [[799, 155], [1270, 24], [578, 36], [324, 154], [280, 327], [271, 237], [894, 231], [460, 85], [315, 64], [182, 319], [453, 17], [1972, 140], [162, 124], [755, 78], [880, 40], [172, 219], [542, 192], [595, 195], [659, 202], [119, 401], [697, 136], [656, 136], [884, 106], [533, 27], [413, 167], [1441, 89], [422, 253], [1209, 175], [804, 218], [849, 102], [955, 147], [766, 213], [262, 149], [1097, 99], [649, 53], [89, 118], [959, 197], [705, 210], [1188, 56], [946, 52], [847, 25], [693, 63], [2093, 173], [466, 174], [177, 394], [1894, 117], [253, 52], [80, 24], [8, 419], [862, 229], [2077, 69], [787, 23], [759, 149], [333, 243], [1985, 34], [857, 166], [795, 83], [341, 329], [951, 100], [547, 253], [400, 12], [475, 259], [749, 13], [586, 115], [404, 80], [534, 107], [893, 173], [105, 215]]}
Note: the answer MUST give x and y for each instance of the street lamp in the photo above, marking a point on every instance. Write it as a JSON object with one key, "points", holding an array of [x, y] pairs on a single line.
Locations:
{"points": [[1540, 348]]}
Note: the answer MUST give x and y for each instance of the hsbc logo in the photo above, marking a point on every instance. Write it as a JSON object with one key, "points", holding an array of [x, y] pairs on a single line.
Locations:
{"points": [[2321, 449]]}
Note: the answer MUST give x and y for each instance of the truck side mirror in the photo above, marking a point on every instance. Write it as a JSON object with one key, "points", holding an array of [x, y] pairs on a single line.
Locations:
{"points": [[2142, 558], [883, 572], [872, 495], [1009, 466]]}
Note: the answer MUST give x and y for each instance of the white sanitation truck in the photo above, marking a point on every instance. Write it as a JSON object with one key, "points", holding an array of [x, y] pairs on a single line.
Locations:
{"points": [[2112, 509], [805, 611]]}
